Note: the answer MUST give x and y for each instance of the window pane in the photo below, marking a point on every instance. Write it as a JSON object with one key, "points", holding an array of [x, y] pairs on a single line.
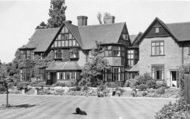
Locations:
{"points": [[59, 37], [70, 42], [161, 50], [59, 43], [70, 36], [109, 47], [153, 44], [106, 53], [74, 43], [157, 30], [66, 43]]}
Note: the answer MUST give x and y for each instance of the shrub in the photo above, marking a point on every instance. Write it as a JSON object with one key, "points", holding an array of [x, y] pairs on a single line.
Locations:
{"points": [[2, 89], [142, 87], [101, 87], [143, 78], [151, 84], [38, 83], [173, 110], [112, 84], [62, 84], [22, 85], [144, 93], [127, 83], [133, 83], [160, 90], [134, 92], [161, 84]]}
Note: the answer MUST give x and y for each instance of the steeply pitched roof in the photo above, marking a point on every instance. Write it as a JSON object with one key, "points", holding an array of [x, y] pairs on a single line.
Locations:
{"points": [[41, 39], [106, 33], [62, 66], [75, 32], [135, 68], [132, 38], [180, 30], [85, 35]]}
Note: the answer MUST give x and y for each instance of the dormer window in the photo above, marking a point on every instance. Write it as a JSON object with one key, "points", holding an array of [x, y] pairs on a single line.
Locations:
{"points": [[157, 30]]}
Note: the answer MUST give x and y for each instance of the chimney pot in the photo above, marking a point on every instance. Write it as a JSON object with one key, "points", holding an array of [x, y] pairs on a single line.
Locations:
{"points": [[82, 20], [109, 19]]}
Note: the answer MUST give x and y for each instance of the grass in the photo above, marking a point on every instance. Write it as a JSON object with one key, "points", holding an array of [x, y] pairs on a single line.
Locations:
{"points": [[63, 107]]}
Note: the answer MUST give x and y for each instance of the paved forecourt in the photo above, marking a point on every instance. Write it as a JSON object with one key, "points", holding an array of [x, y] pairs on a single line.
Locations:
{"points": [[62, 107]]}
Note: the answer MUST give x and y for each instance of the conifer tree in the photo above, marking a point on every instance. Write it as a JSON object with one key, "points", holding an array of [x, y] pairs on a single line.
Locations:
{"points": [[56, 13]]}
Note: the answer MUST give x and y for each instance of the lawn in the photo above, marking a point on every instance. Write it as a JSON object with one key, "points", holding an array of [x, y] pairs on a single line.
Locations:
{"points": [[62, 107]]}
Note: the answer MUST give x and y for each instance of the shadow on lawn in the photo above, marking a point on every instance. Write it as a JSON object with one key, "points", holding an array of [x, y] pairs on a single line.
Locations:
{"points": [[17, 106]]}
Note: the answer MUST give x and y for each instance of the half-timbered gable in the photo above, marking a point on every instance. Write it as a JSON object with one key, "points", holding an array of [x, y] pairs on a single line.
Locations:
{"points": [[72, 44]]}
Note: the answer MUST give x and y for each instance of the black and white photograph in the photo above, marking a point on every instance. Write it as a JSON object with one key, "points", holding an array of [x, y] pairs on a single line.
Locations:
{"points": [[94, 59]]}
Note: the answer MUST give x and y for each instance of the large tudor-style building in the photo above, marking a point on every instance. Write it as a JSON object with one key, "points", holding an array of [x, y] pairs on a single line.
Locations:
{"points": [[72, 46], [159, 51]]}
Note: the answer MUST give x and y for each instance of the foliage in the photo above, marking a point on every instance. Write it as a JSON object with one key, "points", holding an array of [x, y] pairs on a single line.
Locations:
{"points": [[64, 83], [113, 84], [99, 17], [2, 89], [38, 83], [42, 25], [161, 84], [182, 70], [142, 87], [151, 83], [133, 83], [42, 63], [92, 71], [173, 110], [160, 90], [144, 93], [127, 83], [142, 79], [101, 87], [22, 85], [56, 13]]}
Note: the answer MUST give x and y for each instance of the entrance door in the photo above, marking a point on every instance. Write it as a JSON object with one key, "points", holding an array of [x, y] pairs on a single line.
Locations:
{"points": [[174, 78], [53, 77]]}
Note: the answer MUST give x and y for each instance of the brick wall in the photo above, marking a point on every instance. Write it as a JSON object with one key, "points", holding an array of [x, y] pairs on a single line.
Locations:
{"points": [[172, 59], [186, 55]]}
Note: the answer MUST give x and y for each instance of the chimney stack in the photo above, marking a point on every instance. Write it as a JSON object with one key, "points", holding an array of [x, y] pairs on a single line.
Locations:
{"points": [[109, 19], [82, 20]]}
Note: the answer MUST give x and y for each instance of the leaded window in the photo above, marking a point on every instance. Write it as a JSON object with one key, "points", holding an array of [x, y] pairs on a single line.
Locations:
{"points": [[157, 48], [157, 72]]}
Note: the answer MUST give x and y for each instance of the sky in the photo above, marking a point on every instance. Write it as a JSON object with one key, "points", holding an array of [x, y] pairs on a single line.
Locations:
{"points": [[19, 18]]}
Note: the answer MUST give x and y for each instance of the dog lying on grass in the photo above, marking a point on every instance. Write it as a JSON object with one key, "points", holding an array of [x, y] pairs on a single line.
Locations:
{"points": [[79, 111]]}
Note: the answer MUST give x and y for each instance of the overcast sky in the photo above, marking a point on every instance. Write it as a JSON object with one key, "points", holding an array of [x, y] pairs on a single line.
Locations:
{"points": [[19, 18]]}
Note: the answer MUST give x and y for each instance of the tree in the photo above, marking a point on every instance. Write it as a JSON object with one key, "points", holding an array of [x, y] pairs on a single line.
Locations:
{"points": [[92, 73], [40, 63], [56, 13], [42, 25], [99, 16]]}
